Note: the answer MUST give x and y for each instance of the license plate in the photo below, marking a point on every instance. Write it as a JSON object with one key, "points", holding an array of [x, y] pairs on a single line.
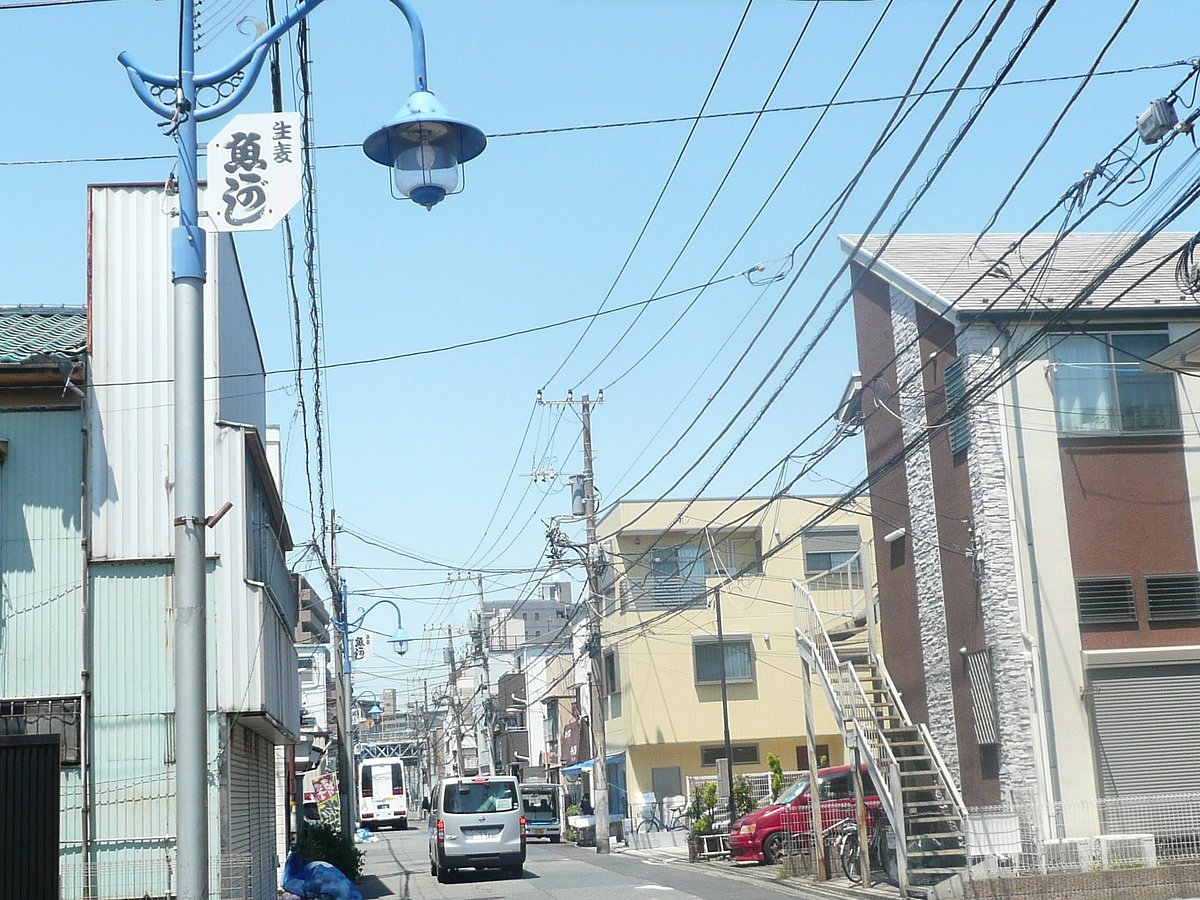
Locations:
{"points": [[537, 830], [480, 834]]}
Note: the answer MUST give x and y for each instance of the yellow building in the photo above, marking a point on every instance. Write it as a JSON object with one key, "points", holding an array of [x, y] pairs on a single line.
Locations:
{"points": [[661, 659]]}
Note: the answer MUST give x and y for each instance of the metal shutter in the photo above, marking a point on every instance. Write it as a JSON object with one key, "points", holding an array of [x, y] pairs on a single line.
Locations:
{"points": [[249, 864], [1147, 725]]}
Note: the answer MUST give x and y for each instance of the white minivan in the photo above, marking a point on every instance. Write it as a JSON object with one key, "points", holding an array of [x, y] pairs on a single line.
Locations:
{"points": [[382, 799], [476, 823]]}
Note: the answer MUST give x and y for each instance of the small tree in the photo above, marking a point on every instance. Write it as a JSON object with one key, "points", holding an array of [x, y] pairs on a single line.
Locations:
{"points": [[744, 801], [700, 812], [776, 767]]}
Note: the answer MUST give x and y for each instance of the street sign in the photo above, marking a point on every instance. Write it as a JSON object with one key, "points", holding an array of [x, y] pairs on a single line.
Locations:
{"points": [[360, 647], [254, 171]]}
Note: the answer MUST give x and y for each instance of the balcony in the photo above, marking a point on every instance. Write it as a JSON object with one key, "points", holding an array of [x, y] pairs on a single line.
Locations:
{"points": [[663, 592]]}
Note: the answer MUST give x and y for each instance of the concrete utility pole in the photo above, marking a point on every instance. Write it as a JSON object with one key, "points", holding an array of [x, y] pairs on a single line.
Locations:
{"points": [[486, 693], [600, 758], [341, 650], [455, 706], [596, 685], [725, 711]]}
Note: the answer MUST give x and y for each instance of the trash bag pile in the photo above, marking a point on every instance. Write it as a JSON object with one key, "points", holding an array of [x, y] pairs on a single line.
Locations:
{"points": [[316, 881], [365, 836]]}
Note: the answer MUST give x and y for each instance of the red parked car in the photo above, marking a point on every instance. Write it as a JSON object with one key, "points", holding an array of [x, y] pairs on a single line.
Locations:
{"points": [[762, 835]]}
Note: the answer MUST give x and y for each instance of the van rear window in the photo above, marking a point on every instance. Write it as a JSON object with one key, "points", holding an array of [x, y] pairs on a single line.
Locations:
{"points": [[480, 797]]}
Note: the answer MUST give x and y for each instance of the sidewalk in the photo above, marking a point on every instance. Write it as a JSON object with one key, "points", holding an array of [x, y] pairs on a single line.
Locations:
{"points": [[671, 849]]}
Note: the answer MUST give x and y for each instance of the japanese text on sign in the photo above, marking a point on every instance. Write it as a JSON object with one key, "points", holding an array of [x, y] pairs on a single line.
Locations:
{"points": [[254, 172]]}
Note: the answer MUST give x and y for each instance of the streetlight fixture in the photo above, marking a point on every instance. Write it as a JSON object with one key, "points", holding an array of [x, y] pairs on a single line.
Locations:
{"points": [[422, 145], [376, 710]]}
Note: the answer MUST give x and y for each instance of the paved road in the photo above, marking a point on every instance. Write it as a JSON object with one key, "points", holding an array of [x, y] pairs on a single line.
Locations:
{"points": [[397, 865]]}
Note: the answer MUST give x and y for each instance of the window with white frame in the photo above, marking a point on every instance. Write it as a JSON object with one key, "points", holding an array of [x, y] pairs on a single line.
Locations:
{"points": [[833, 552], [739, 659], [1100, 386]]}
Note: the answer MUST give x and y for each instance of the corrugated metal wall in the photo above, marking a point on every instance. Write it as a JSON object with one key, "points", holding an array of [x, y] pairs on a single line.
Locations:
{"points": [[131, 310], [40, 553], [133, 729], [242, 398]]}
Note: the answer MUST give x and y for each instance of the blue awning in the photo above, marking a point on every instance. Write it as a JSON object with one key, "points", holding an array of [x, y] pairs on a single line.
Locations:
{"points": [[574, 771]]}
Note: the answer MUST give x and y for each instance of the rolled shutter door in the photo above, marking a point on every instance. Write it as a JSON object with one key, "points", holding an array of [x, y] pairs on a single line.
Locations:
{"points": [[1147, 722]]}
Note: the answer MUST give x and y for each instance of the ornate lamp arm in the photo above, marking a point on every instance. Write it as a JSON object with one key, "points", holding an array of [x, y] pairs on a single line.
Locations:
{"points": [[236, 79]]}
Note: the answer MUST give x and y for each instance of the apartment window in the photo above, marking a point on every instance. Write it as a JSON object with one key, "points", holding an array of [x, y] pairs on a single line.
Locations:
{"points": [[743, 755], [612, 673], [1105, 600], [832, 555], [739, 660], [1100, 387], [51, 715], [732, 554], [956, 389], [1173, 597]]}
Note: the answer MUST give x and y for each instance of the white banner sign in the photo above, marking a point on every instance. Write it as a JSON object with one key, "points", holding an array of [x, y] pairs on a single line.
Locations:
{"points": [[254, 172], [360, 647]]}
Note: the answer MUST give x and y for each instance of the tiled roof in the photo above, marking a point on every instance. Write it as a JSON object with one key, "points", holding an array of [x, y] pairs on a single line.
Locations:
{"points": [[36, 333], [940, 270]]}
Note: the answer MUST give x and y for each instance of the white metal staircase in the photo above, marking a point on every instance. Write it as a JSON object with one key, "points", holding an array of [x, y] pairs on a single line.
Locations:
{"points": [[916, 790]]}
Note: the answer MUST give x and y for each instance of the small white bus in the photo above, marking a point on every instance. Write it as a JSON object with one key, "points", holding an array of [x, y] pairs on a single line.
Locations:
{"points": [[382, 798]]}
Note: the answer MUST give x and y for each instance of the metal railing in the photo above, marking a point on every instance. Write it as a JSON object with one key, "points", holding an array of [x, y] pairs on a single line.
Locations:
{"points": [[670, 592], [1123, 833]]}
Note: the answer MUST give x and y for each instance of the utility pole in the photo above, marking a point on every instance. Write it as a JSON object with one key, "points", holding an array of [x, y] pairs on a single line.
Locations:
{"points": [[596, 686], [341, 650], [486, 691], [725, 711], [600, 760], [455, 706]]}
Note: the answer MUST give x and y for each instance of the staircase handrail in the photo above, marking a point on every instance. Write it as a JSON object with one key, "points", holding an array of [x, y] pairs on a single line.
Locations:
{"points": [[894, 696], [944, 773], [877, 753]]}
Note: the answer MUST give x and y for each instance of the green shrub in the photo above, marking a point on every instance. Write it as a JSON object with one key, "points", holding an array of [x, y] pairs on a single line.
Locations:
{"points": [[744, 801], [776, 767], [569, 833], [319, 841]]}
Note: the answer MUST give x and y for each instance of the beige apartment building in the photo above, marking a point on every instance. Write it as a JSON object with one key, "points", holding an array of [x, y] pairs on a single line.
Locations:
{"points": [[661, 656]]}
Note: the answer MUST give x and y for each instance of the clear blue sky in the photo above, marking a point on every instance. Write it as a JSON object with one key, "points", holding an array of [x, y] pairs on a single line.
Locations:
{"points": [[422, 449]]}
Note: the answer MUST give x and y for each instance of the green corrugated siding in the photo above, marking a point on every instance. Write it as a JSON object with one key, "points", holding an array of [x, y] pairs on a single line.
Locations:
{"points": [[41, 560]]}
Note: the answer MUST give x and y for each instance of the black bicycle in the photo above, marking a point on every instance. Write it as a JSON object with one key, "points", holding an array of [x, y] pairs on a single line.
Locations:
{"points": [[881, 849]]}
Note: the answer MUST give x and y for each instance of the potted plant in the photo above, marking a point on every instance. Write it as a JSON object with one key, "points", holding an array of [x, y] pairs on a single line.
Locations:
{"points": [[700, 817]]}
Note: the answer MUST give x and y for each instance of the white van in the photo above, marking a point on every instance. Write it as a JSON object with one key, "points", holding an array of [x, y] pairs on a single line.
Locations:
{"points": [[382, 798], [476, 823], [543, 804]]}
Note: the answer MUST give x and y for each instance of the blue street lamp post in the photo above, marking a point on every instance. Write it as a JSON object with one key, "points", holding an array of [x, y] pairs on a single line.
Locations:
{"points": [[399, 641], [425, 148]]}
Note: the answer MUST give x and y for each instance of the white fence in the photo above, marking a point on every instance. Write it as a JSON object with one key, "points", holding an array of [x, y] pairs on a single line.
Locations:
{"points": [[1126, 833]]}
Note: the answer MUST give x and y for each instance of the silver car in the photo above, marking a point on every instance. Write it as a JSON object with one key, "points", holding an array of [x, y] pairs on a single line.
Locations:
{"points": [[476, 823]]}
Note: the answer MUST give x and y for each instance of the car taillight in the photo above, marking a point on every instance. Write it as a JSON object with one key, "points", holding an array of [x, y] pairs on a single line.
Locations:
{"points": [[367, 792], [441, 831], [523, 827]]}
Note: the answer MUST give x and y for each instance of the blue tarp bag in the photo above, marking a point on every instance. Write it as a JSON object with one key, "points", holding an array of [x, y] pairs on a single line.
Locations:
{"points": [[317, 880]]}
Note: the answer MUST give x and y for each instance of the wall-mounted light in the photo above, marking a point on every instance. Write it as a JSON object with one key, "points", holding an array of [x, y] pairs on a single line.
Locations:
{"points": [[892, 536]]}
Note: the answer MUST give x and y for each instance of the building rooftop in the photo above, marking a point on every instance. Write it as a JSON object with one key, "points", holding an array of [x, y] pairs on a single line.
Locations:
{"points": [[1005, 273], [33, 334]]}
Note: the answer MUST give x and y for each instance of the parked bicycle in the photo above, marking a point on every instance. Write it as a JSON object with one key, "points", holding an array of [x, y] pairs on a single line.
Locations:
{"points": [[881, 849], [676, 817]]}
